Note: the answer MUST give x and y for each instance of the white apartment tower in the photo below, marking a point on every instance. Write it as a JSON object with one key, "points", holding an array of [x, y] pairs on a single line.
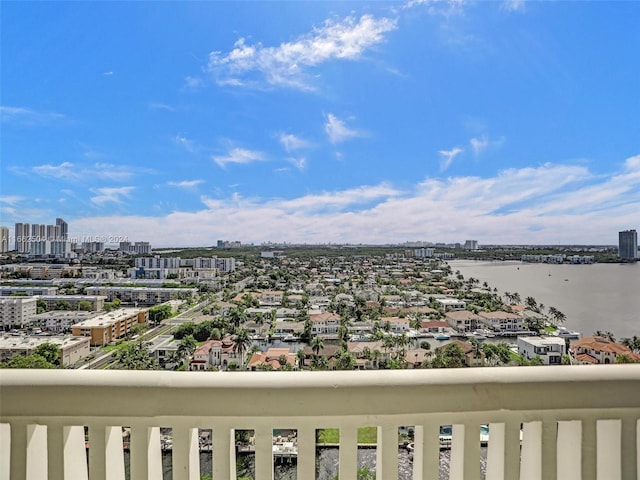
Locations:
{"points": [[4, 239]]}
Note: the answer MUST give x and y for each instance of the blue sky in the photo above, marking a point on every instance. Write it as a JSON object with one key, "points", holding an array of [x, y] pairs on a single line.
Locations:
{"points": [[182, 123]]}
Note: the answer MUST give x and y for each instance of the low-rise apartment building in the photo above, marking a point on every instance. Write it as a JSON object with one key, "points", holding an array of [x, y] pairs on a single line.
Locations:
{"points": [[5, 290], [108, 327], [17, 311], [54, 301], [60, 321], [142, 295], [72, 349]]}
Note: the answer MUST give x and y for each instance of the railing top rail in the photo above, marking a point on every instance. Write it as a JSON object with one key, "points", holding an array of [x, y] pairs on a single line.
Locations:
{"points": [[156, 393]]}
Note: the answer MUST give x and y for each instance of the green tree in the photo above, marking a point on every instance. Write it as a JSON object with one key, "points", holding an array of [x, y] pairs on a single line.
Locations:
{"points": [[449, 356], [50, 352], [184, 330], [625, 358], [135, 356], [317, 344], [345, 360], [30, 361], [85, 306], [632, 343], [187, 346], [241, 342]]}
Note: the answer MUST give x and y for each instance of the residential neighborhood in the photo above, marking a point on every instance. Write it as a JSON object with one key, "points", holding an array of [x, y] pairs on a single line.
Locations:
{"points": [[401, 310]]}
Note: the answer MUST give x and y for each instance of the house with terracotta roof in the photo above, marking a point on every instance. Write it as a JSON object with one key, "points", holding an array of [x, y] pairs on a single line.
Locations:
{"points": [[272, 358], [435, 326], [463, 320], [500, 321], [325, 323], [215, 353], [599, 350]]}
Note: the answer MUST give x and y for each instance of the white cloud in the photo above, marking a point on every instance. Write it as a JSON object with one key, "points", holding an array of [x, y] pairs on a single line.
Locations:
{"points": [[479, 145], [299, 162], [27, 116], [239, 155], [71, 172], [550, 203], [445, 8], [292, 142], [192, 83], [185, 143], [337, 131], [11, 199], [186, 183], [110, 194], [287, 65], [65, 171], [514, 5], [447, 157], [161, 106]]}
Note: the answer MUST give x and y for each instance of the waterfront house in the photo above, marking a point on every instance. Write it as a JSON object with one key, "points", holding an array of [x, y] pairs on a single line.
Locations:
{"points": [[500, 321], [599, 350], [549, 349], [463, 320]]}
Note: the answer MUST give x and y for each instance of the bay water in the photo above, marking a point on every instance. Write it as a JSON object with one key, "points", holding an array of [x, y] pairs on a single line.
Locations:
{"points": [[600, 296]]}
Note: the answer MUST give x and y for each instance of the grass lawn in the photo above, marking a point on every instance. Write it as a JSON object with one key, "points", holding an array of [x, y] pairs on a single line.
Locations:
{"points": [[365, 435]]}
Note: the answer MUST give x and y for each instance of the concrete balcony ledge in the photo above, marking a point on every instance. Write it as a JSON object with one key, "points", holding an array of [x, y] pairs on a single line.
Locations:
{"points": [[545, 423]]}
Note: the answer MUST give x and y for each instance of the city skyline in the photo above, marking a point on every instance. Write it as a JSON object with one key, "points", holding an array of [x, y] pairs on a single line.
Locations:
{"points": [[369, 122]]}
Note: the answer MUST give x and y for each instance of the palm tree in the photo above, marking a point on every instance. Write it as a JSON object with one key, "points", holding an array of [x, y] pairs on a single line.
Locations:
{"points": [[187, 346], [317, 344], [632, 343], [241, 342], [557, 315]]}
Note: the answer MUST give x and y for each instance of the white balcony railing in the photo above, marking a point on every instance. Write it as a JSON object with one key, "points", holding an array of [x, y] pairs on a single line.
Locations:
{"points": [[545, 423]]}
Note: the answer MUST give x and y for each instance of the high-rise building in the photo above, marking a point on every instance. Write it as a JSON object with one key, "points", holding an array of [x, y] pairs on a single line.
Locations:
{"points": [[4, 239], [23, 234], [628, 244], [64, 229]]}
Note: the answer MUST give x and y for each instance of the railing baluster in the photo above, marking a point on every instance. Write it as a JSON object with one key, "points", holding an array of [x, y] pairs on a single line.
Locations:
{"points": [[608, 447], [5, 452], [97, 452], [264, 453], [531, 463], [186, 460], [456, 469], [426, 452], [306, 467], [387, 452], [18, 456], [36, 452], [512, 448], [75, 454], [224, 460], [496, 452], [549, 454], [348, 454], [568, 453], [114, 453], [472, 451], [55, 451], [630, 448], [589, 453]]}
